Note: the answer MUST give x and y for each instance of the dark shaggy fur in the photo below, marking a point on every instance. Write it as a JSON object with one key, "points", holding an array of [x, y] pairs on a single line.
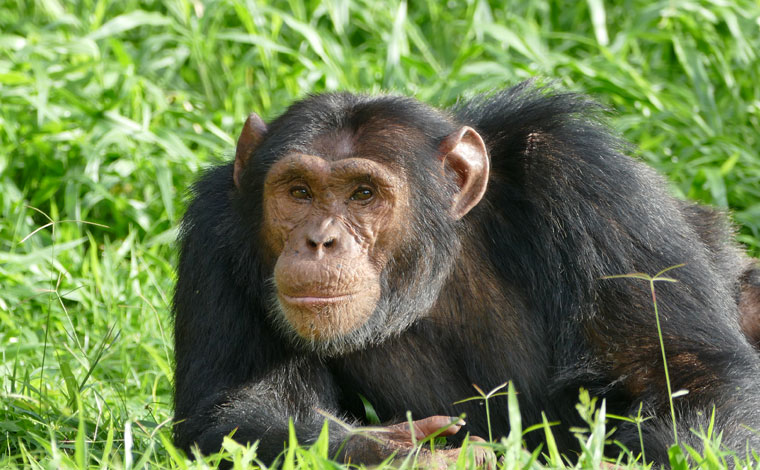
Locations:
{"points": [[516, 290]]}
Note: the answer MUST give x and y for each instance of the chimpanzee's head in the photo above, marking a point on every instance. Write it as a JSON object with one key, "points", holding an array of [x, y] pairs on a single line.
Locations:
{"points": [[360, 200]]}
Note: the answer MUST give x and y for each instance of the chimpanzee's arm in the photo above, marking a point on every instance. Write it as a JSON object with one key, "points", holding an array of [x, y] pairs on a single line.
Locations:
{"points": [[260, 411]]}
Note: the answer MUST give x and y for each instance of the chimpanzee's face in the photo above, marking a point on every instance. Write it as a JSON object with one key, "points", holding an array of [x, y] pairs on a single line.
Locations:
{"points": [[358, 218], [332, 225]]}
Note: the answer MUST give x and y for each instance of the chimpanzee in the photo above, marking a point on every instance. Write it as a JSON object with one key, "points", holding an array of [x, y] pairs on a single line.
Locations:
{"points": [[375, 248]]}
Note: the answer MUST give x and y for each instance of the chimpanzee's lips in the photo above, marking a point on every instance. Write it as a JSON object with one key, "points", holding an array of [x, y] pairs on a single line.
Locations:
{"points": [[313, 300]]}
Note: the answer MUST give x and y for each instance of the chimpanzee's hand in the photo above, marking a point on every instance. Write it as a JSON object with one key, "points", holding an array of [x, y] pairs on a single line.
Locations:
{"points": [[382, 442]]}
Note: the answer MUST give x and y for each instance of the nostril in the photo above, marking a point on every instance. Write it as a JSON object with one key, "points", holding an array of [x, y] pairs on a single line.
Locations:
{"points": [[312, 243], [329, 243]]}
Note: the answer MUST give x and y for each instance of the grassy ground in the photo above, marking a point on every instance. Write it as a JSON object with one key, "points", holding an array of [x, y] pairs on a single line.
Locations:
{"points": [[108, 109]]}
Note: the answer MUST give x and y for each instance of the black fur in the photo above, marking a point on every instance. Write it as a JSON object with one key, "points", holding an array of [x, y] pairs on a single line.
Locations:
{"points": [[516, 290]]}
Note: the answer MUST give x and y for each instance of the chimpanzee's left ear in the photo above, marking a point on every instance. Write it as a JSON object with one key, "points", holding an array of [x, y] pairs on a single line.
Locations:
{"points": [[251, 136], [464, 152]]}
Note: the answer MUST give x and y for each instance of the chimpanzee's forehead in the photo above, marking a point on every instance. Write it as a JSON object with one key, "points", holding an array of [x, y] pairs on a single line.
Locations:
{"points": [[326, 112], [391, 130], [385, 142], [335, 145]]}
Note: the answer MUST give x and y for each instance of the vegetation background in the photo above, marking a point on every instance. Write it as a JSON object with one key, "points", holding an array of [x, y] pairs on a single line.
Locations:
{"points": [[109, 109]]}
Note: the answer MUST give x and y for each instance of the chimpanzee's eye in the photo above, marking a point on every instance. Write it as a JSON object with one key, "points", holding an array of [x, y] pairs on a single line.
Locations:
{"points": [[362, 194], [300, 192]]}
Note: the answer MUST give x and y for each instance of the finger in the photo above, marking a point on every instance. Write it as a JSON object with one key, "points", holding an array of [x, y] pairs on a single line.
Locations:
{"points": [[438, 460], [483, 456], [448, 426], [478, 457]]}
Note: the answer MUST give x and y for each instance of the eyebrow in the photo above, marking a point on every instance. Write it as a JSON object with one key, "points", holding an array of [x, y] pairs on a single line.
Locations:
{"points": [[368, 172], [289, 174], [368, 175]]}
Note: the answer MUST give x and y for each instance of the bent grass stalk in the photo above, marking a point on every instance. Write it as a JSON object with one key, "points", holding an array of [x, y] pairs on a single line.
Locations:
{"points": [[652, 279], [485, 397]]}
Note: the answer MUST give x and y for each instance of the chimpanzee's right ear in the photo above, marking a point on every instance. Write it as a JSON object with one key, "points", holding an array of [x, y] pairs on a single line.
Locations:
{"points": [[251, 136]]}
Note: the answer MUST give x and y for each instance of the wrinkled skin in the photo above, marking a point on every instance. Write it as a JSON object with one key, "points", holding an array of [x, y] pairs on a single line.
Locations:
{"points": [[397, 438], [331, 226]]}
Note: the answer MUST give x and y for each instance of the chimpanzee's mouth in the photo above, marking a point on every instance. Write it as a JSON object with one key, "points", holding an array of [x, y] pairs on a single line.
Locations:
{"points": [[314, 300]]}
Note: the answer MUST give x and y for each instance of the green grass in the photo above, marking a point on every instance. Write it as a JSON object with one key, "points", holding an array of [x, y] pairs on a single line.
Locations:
{"points": [[108, 110]]}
